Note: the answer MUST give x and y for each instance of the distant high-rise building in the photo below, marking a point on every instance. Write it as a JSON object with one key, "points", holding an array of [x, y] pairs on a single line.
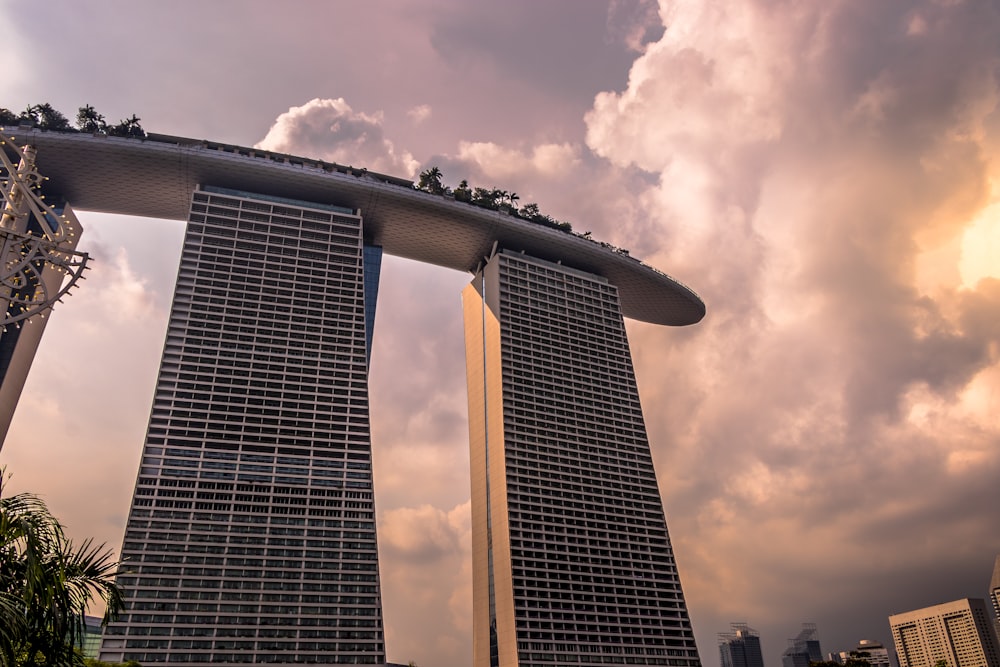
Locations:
{"points": [[957, 633], [740, 647], [572, 562], [995, 596], [875, 653], [803, 649]]}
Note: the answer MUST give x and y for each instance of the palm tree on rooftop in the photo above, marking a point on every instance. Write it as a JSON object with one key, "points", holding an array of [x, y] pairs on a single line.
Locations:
{"points": [[88, 120], [430, 181]]}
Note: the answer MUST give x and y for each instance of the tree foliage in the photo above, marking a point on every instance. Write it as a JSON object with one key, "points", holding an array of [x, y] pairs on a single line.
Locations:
{"points": [[430, 181], [495, 199], [46, 584], [854, 659], [91, 662], [126, 128], [45, 117], [88, 120]]}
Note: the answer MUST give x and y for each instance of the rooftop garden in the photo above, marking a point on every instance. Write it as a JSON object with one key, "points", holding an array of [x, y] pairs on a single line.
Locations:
{"points": [[493, 199], [45, 117], [431, 180]]}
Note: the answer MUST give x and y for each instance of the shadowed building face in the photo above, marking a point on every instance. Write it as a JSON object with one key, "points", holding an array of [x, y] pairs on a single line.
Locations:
{"points": [[571, 558], [740, 647]]}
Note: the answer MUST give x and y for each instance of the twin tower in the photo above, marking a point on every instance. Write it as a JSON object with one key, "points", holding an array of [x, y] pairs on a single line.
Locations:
{"points": [[251, 536]]}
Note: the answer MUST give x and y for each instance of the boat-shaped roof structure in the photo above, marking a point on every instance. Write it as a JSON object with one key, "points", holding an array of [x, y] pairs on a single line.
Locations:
{"points": [[154, 177]]}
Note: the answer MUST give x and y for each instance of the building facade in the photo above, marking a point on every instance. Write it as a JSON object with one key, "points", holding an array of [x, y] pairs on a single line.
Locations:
{"points": [[572, 561], [251, 536], [740, 647], [995, 595], [804, 648], [958, 633]]}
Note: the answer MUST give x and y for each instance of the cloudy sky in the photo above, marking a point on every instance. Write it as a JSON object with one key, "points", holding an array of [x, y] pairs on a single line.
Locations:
{"points": [[826, 175]]}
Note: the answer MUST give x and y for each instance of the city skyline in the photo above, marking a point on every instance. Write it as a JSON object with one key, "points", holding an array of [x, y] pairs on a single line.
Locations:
{"points": [[837, 212]]}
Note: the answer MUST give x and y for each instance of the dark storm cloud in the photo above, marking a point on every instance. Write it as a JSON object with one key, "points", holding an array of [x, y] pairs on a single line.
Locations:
{"points": [[817, 163], [539, 45]]}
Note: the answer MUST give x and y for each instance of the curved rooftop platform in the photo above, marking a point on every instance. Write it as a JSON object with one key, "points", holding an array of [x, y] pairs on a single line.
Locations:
{"points": [[156, 176]]}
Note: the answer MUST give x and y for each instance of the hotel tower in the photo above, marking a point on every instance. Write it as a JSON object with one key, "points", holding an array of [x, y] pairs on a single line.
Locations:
{"points": [[571, 558], [251, 536]]}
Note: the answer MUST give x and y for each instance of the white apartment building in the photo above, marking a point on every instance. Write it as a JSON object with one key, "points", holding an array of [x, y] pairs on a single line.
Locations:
{"points": [[958, 633]]}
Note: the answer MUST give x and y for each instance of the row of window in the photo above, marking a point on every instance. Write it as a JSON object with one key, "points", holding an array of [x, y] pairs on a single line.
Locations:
{"points": [[244, 657], [287, 632], [317, 216], [348, 571], [208, 266], [245, 645], [571, 463], [255, 226], [531, 659]]}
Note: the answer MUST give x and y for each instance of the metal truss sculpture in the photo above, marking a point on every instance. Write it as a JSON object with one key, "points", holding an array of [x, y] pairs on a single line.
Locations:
{"points": [[38, 260]]}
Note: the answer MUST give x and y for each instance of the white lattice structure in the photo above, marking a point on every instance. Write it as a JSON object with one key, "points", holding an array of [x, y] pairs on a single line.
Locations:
{"points": [[39, 264], [37, 242]]}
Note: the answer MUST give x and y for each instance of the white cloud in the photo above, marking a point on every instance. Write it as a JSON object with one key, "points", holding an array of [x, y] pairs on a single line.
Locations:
{"points": [[330, 129], [509, 164], [425, 560], [422, 533], [126, 296], [419, 113]]}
